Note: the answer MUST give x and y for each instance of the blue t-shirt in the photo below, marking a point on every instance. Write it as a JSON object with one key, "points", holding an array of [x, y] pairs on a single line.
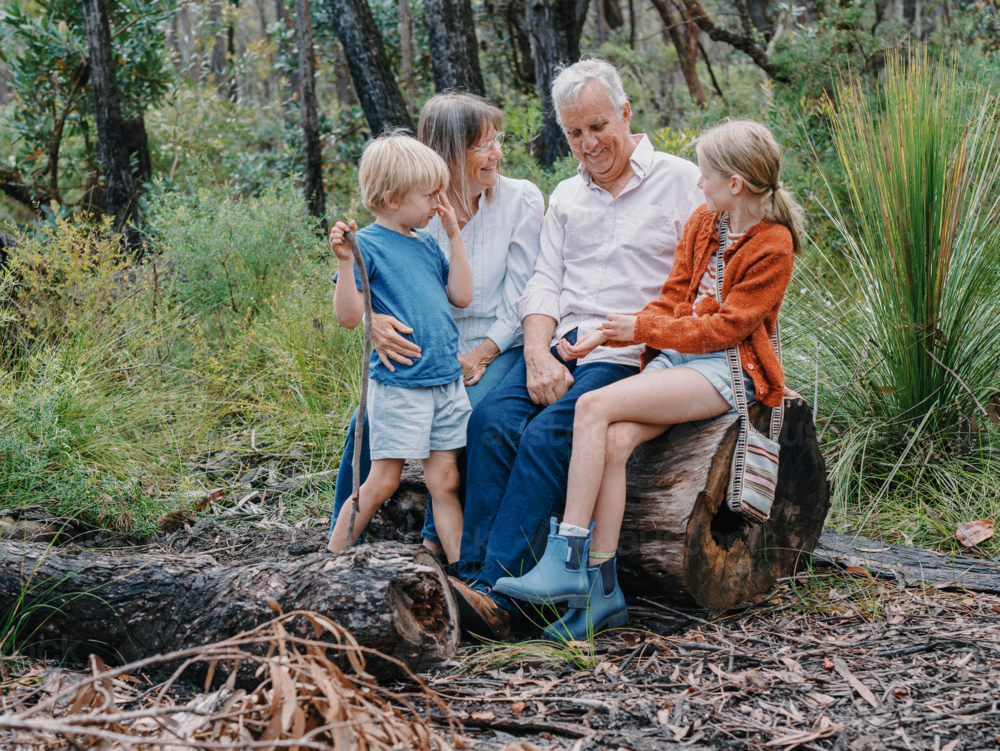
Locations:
{"points": [[407, 277]]}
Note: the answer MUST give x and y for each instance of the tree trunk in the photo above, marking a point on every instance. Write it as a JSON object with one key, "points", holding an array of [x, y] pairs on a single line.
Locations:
{"points": [[137, 144], [265, 38], [370, 70], [520, 41], [685, 40], [285, 19], [107, 111], [406, 54], [310, 119], [393, 598], [555, 29], [678, 542], [758, 14], [451, 32]]}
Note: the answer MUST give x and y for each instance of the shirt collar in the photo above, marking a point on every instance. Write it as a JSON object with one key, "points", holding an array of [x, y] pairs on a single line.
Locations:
{"points": [[641, 159]]}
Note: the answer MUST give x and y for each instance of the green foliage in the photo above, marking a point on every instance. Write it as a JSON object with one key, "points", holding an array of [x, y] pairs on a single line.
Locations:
{"points": [[44, 43], [114, 380]]}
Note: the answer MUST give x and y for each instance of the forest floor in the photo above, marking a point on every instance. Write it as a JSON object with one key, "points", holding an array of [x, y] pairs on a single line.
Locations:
{"points": [[832, 659]]}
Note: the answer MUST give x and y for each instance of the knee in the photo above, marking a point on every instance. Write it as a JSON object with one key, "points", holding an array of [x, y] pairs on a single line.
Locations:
{"points": [[442, 479], [590, 408], [381, 488], [620, 444]]}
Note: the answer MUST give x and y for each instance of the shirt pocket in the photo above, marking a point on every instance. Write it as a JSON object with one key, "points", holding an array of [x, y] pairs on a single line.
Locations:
{"points": [[648, 230]]}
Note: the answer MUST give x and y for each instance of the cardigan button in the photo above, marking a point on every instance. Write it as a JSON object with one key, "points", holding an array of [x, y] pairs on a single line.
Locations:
{"points": [[749, 366]]}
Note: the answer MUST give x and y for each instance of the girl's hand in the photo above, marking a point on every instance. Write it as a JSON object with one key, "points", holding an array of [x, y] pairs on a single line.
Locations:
{"points": [[338, 244], [620, 327], [449, 219], [582, 348]]}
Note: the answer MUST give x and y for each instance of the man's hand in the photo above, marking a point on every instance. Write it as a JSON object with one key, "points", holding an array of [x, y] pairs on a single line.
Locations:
{"points": [[619, 327], [548, 379], [474, 363], [389, 344], [582, 348], [338, 244]]}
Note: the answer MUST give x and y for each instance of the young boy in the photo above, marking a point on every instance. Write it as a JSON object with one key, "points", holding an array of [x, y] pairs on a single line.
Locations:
{"points": [[421, 411]]}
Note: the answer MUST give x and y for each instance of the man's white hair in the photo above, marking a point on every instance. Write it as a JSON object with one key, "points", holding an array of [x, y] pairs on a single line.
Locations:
{"points": [[572, 78]]}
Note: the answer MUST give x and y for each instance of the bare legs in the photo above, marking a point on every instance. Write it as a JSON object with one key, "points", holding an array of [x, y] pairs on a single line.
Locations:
{"points": [[609, 424], [441, 476]]}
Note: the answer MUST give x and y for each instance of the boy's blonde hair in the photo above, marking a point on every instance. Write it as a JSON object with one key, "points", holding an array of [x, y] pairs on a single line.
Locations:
{"points": [[395, 165], [747, 148]]}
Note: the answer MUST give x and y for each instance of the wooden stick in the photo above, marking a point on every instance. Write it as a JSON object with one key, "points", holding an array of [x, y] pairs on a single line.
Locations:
{"points": [[359, 426]]}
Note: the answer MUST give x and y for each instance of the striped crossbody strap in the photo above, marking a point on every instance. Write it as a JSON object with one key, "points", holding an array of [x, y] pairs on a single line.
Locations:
{"points": [[736, 373]]}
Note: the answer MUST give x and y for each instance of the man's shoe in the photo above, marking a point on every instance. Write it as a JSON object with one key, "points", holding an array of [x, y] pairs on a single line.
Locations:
{"points": [[479, 615], [602, 612], [556, 577]]}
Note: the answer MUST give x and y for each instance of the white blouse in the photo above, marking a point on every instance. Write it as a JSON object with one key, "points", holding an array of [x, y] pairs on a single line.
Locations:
{"points": [[502, 242]]}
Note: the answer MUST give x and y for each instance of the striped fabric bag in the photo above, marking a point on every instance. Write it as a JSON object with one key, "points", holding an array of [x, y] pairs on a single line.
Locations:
{"points": [[754, 474]]}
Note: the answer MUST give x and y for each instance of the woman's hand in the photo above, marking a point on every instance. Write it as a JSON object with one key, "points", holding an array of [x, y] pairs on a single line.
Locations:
{"points": [[338, 244], [474, 363], [449, 218], [389, 344], [582, 348], [619, 327]]}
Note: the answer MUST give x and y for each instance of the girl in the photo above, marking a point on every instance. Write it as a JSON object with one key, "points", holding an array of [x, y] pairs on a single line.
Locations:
{"points": [[686, 374]]}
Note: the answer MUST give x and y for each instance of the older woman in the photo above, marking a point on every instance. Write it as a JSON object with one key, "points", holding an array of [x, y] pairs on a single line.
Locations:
{"points": [[501, 220]]}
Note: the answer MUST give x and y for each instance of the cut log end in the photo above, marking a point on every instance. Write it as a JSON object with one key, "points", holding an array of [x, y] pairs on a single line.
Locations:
{"points": [[424, 609]]}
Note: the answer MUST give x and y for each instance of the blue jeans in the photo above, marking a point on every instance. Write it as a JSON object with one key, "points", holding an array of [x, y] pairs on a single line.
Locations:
{"points": [[494, 374], [518, 462]]}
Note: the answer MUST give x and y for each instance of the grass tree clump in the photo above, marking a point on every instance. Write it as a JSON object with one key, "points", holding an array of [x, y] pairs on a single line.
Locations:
{"points": [[910, 356]]}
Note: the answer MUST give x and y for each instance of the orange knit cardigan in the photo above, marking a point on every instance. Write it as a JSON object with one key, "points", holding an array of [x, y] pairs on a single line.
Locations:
{"points": [[758, 269]]}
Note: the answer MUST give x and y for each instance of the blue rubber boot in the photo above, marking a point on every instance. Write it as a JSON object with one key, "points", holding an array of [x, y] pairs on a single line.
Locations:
{"points": [[603, 611], [560, 575]]}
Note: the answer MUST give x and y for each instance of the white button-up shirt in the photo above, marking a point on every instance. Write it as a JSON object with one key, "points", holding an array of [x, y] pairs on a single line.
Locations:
{"points": [[502, 242], [603, 254]]}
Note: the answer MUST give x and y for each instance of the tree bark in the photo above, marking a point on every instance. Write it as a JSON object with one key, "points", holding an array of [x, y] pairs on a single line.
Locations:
{"points": [[678, 541], [406, 54], [373, 78], [315, 196], [107, 111], [685, 41], [451, 32], [555, 29], [520, 41], [393, 598]]}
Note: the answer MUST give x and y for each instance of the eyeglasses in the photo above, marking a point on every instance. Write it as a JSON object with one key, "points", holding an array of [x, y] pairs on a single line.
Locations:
{"points": [[488, 146]]}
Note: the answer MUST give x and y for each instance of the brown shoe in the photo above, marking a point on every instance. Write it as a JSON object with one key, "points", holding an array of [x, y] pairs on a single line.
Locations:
{"points": [[479, 615]]}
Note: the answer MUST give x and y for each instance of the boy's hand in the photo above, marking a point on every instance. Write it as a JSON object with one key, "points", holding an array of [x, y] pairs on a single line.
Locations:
{"points": [[338, 244], [449, 219], [582, 348], [619, 327]]}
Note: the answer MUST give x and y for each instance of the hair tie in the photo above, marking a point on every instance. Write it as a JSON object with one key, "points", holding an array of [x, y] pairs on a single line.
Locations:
{"points": [[776, 187]]}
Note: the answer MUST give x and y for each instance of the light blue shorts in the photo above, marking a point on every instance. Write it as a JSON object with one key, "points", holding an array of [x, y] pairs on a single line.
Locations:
{"points": [[407, 423], [714, 366]]}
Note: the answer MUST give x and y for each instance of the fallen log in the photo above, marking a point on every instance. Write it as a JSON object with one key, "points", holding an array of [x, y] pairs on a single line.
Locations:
{"points": [[679, 541], [914, 567], [393, 598]]}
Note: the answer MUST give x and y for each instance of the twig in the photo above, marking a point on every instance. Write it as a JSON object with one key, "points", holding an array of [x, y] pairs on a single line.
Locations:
{"points": [[960, 381], [359, 426]]}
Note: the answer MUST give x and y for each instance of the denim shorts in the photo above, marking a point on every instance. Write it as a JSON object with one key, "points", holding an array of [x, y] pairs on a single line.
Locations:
{"points": [[407, 423], [714, 366]]}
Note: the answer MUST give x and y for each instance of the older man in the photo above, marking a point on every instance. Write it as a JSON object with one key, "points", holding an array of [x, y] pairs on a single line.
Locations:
{"points": [[607, 246]]}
